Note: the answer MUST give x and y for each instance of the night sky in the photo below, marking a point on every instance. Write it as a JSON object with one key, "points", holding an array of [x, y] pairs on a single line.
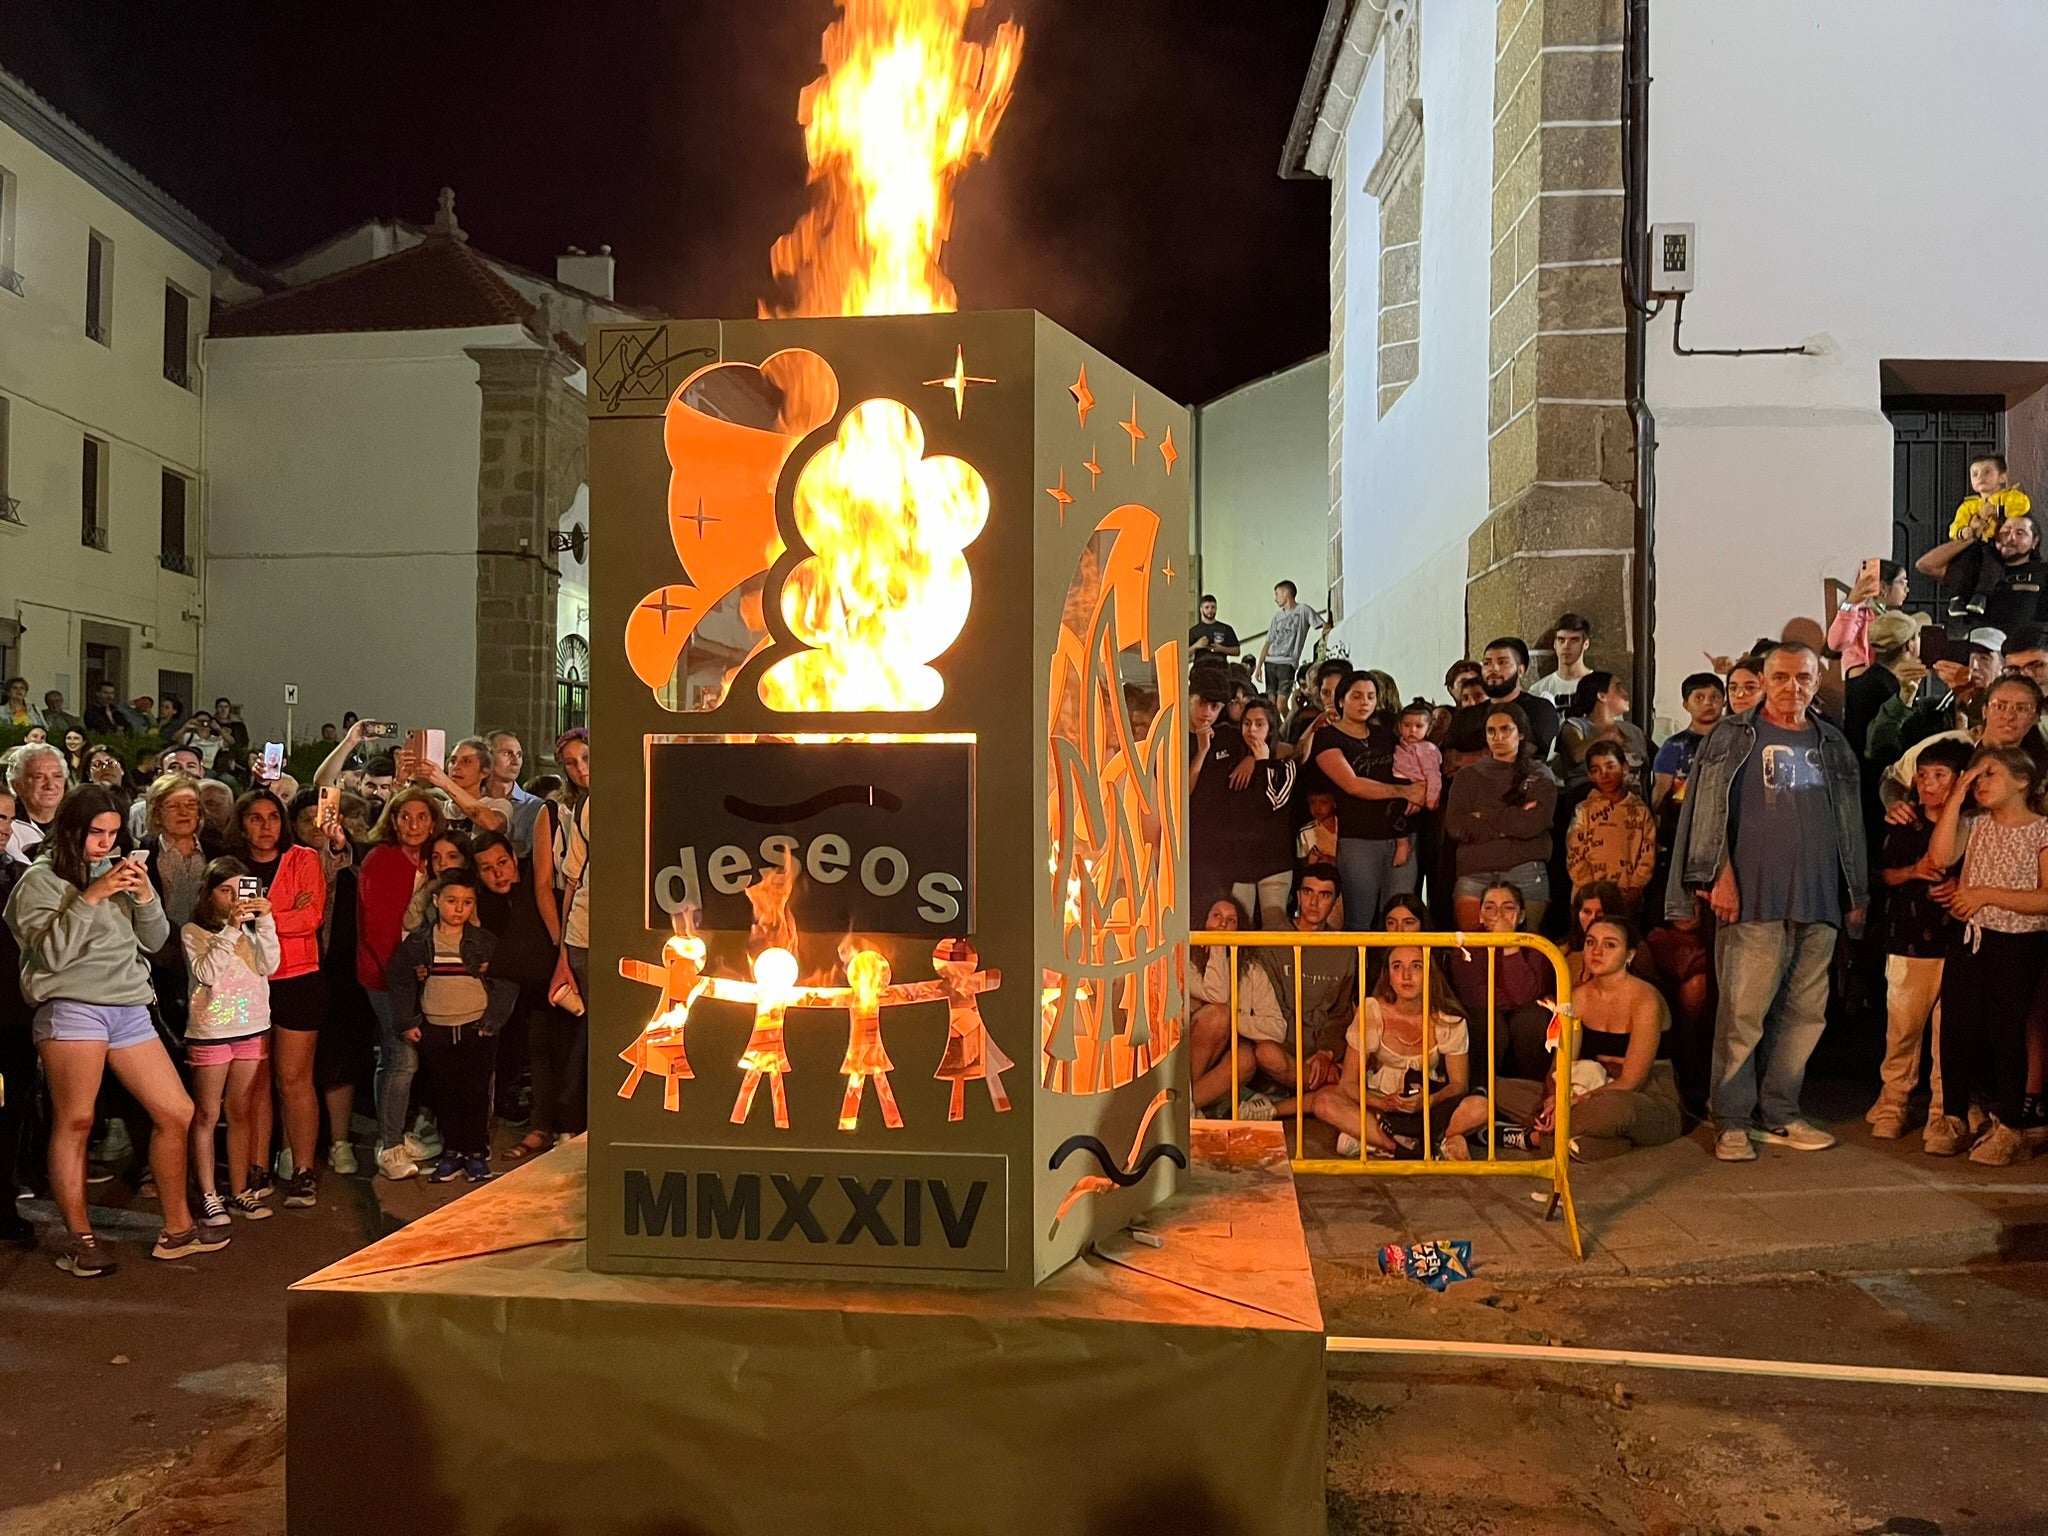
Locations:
{"points": [[1132, 195]]}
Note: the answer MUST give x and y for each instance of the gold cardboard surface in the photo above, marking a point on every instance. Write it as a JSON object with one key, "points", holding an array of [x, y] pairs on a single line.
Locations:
{"points": [[517, 1390]]}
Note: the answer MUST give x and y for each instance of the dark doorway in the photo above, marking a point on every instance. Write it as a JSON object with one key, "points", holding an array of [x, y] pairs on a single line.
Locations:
{"points": [[1934, 438]]}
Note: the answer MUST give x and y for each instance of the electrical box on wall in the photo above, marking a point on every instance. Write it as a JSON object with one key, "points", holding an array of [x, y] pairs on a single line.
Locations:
{"points": [[1672, 254]]}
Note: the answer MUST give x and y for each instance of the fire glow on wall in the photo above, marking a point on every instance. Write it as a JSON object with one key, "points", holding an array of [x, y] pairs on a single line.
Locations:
{"points": [[894, 687]]}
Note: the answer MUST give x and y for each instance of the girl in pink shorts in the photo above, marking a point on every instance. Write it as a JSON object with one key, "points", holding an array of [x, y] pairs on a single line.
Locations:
{"points": [[231, 949]]}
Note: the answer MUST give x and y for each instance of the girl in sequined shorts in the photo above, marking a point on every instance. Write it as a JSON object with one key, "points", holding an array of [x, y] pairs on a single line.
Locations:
{"points": [[231, 949]]}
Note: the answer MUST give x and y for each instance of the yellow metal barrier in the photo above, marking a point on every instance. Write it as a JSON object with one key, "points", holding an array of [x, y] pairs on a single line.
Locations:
{"points": [[1555, 1169]]}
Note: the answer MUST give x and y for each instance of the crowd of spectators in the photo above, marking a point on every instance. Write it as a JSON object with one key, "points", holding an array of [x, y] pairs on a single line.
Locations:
{"points": [[206, 967], [1721, 896]]}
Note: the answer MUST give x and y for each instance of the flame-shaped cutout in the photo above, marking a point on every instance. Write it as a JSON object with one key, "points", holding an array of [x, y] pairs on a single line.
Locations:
{"points": [[886, 588], [728, 431]]}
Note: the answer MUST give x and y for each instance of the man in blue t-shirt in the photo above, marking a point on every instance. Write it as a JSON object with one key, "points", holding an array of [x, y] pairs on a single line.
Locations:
{"points": [[1771, 836]]}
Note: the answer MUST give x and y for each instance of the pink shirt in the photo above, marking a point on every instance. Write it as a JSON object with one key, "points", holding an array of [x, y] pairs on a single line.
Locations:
{"points": [[1420, 762]]}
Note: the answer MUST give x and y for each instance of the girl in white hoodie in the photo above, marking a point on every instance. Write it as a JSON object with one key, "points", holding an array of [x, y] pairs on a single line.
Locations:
{"points": [[231, 949]]}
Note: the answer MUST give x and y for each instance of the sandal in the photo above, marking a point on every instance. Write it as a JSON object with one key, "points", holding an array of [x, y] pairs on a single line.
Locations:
{"points": [[532, 1144]]}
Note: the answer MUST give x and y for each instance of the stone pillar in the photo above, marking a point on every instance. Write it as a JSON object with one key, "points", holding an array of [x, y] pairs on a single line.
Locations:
{"points": [[533, 448], [1560, 530]]}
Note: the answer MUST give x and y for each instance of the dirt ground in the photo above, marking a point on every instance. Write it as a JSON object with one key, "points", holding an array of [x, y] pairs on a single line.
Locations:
{"points": [[159, 1402]]}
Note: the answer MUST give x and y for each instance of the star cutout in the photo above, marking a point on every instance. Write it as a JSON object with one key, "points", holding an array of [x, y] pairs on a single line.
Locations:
{"points": [[1137, 432], [1083, 397], [1094, 469], [1060, 494], [700, 517], [664, 607], [1166, 449], [1168, 572], [957, 381]]}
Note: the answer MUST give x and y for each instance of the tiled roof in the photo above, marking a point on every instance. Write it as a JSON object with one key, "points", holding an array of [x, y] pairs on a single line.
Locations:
{"points": [[440, 284]]}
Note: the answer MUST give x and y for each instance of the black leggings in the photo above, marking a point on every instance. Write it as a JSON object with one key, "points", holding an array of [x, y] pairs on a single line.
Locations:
{"points": [[455, 1079], [1986, 995]]}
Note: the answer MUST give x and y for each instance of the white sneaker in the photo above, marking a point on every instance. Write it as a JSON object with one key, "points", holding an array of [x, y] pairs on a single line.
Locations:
{"points": [[1348, 1145], [1799, 1135], [341, 1157], [1257, 1106], [397, 1163], [424, 1141], [213, 1211], [1734, 1147]]}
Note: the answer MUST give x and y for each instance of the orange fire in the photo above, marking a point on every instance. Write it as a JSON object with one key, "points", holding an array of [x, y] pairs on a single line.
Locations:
{"points": [[886, 588], [905, 105]]}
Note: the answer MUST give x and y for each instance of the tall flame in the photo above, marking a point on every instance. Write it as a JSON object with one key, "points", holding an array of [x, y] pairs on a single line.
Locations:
{"points": [[905, 105]]}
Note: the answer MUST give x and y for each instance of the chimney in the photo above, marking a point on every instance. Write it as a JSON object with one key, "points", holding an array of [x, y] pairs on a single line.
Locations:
{"points": [[593, 274]]}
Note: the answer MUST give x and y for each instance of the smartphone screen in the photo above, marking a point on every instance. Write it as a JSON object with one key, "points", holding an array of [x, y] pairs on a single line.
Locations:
{"points": [[380, 730], [247, 888], [273, 759], [330, 805]]}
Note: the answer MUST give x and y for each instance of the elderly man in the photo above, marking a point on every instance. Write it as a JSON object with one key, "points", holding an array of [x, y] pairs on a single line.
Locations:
{"points": [[56, 717], [1771, 839], [36, 773], [508, 757]]}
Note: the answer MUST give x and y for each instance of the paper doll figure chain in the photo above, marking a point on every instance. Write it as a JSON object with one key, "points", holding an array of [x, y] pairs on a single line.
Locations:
{"points": [[659, 1047], [970, 1052]]}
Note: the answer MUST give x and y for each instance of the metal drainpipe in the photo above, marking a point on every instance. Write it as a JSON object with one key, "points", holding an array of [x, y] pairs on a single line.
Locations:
{"points": [[1635, 120]]}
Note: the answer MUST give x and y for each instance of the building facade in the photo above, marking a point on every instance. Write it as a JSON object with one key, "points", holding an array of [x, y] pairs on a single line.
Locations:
{"points": [[105, 288], [394, 444], [1491, 383]]}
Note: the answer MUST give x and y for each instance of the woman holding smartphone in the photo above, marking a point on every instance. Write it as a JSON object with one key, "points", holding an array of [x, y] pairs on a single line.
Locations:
{"points": [[394, 868], [290, 876], [87, 922]]}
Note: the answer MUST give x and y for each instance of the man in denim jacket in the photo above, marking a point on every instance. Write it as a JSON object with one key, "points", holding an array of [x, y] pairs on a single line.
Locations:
{"points": [[1771, 838]]}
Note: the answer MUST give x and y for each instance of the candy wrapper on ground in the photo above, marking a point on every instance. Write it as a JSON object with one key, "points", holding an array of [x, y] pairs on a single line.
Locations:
{"points": [[1435, 1264]]}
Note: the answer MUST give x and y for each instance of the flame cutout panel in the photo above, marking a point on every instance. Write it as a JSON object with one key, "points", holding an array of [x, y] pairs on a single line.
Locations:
{"points": [[1117, 809], [727, 431], [886, 587]]}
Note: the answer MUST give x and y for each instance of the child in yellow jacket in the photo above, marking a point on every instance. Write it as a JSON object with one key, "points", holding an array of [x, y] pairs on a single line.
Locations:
{"points": [[1992, 503]]}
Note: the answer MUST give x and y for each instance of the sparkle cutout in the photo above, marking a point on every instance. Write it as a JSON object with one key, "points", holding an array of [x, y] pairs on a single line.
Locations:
{"points": [[1060, 494], [1166, 449], [1168, 571], [700, 517], [956, 382], [665, 608], [1094, 469], [1084, 398], [1137, 432]]}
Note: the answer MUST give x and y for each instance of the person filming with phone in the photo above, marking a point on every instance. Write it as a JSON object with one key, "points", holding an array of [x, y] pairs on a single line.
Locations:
{"points": [[462, 783], [87, 920]]}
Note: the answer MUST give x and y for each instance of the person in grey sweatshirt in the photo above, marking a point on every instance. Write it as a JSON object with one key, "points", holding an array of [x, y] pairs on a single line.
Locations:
{"points": [[87, 919], [1499, 813]]}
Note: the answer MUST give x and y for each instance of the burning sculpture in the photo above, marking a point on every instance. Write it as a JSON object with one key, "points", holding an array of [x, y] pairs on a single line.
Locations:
{"points": [[902, 662]]}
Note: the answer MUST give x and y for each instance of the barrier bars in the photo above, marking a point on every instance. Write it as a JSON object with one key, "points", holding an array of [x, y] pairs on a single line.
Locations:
{"points": [[1553, 1169]]}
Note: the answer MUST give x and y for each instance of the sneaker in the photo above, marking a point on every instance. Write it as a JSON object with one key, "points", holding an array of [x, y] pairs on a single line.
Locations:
{"points": [[424, 1139], [1798, 1135], [1348, 1145], [2033, 1123], [247, 1204], [182, 1245], [1943, 1136], [117, 1143], [1256, 1106], [477, 1170], [304, 1189], [1889, 1125], [450, 1167], [2000, 1147], [98, 1173], [1735, 1147], [213, 1210], [396, 1163], [341, 1157], [259, 1183], [284, 1165], [83, 1256]]}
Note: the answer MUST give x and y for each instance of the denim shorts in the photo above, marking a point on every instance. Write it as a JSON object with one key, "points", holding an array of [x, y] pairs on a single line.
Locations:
{"points": [[1531, 879], [114, 1025], [218, 1053]]}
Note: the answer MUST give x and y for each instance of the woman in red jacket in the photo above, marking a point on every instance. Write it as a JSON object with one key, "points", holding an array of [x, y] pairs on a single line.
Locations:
{"points": [[394, 868], [293, 879]]}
